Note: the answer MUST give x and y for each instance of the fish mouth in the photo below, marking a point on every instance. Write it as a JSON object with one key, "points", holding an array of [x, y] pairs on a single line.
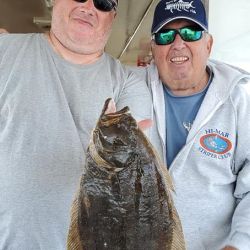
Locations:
{"points": [[113, 141]]}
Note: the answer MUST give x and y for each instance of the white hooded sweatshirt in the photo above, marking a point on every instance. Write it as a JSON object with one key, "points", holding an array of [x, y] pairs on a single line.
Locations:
{"points": [[211, 173]]}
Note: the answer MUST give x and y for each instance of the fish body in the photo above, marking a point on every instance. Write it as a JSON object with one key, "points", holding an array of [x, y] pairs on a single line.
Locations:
{"points": [[124, 200]]}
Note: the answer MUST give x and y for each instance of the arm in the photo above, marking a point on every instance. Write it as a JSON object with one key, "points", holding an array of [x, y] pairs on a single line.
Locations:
{"points": [[136, 95], [240, 229], [143, 124]]}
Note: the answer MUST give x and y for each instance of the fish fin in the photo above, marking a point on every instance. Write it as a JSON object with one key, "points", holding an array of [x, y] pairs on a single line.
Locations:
{"points": [[165, 173], [177, 237], [98, 159], [178, 240], [73, 240], [159, 163]]}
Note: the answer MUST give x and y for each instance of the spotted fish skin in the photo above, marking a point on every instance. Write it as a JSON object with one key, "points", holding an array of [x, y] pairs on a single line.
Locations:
{"points": [[124, 199]]}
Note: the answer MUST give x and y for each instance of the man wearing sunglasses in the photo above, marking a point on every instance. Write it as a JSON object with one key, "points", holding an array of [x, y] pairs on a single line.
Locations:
{"points": [[52, 90], [202, 115]]}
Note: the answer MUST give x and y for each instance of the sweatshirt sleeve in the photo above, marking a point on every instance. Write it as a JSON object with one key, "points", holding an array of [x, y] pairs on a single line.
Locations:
{"points": [[240, 230]]}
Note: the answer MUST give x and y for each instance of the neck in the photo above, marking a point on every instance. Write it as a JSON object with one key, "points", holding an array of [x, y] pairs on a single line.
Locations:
{"points": [[70, 55], [190, 89]]}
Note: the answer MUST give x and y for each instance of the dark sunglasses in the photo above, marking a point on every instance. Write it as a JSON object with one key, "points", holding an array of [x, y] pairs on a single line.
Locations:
{"points": [[102, 5], [167, 36]]}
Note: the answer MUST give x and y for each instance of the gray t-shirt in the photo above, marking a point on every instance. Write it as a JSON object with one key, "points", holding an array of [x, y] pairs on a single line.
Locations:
{"points": [[48, 107]]}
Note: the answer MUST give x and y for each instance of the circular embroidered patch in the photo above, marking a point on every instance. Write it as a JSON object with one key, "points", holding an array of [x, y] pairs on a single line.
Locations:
{"points": [[215, 143]]}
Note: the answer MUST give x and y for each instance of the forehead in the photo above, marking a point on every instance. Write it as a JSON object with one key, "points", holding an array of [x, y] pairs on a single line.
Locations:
{"points": [[179, 24]]}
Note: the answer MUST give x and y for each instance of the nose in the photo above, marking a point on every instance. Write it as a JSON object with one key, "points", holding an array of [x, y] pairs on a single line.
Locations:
{"points": [[88, 6], [88, 3], [178, 43]]}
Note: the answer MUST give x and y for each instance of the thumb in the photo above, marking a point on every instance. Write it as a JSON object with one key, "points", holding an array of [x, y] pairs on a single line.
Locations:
{"points": [[3, 31], [111, 107], [145, 124]]}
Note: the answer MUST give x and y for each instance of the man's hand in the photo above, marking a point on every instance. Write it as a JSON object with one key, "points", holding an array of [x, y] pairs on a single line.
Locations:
{"points": [[143, 124], [111, 107], [230, 248], [3, 31]]}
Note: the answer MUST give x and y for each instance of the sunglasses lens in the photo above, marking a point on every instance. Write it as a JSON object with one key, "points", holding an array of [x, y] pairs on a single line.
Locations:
{"points": [[105, 5], [102, 5], [164, 38], [190, 34]]}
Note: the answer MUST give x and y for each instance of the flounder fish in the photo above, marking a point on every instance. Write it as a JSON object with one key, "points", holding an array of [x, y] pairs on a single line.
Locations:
{"points": [[124, 199]]}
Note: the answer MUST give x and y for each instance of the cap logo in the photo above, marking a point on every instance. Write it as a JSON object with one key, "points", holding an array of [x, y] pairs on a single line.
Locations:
{"points": [[180, 5]]}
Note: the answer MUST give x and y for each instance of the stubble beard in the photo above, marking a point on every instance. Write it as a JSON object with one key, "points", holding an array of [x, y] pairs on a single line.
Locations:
{"points": [[82, 44]]}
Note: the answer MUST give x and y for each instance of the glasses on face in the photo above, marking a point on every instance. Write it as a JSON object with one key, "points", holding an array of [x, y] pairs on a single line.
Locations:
{"points": [[167, 36], [102, 5]]}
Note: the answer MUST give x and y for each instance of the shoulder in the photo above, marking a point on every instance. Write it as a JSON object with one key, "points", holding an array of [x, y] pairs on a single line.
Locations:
{"points": [[141, 72], [241, 92], [126, 83], [14, 42], [12, 38], [121, 72], [114, 63], [117, 67], [224, 70], [228, 78]]}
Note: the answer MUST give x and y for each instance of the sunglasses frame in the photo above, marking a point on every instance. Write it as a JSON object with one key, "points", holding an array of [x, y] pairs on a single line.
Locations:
{"points": [[178, 31], [112, 3]]}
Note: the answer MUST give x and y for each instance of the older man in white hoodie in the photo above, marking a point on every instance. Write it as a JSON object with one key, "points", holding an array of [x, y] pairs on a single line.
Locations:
{"points": [[202, 121]]}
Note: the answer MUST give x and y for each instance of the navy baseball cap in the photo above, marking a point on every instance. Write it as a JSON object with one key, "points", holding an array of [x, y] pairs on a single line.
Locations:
{"points": [[167, 11]]}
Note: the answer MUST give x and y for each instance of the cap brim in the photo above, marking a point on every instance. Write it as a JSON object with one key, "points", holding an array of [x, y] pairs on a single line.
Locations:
{"points": [[160, 26]]}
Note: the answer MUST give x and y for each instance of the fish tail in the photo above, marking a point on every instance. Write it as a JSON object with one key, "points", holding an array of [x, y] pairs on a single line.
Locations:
{"points": [[73, 241]]}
